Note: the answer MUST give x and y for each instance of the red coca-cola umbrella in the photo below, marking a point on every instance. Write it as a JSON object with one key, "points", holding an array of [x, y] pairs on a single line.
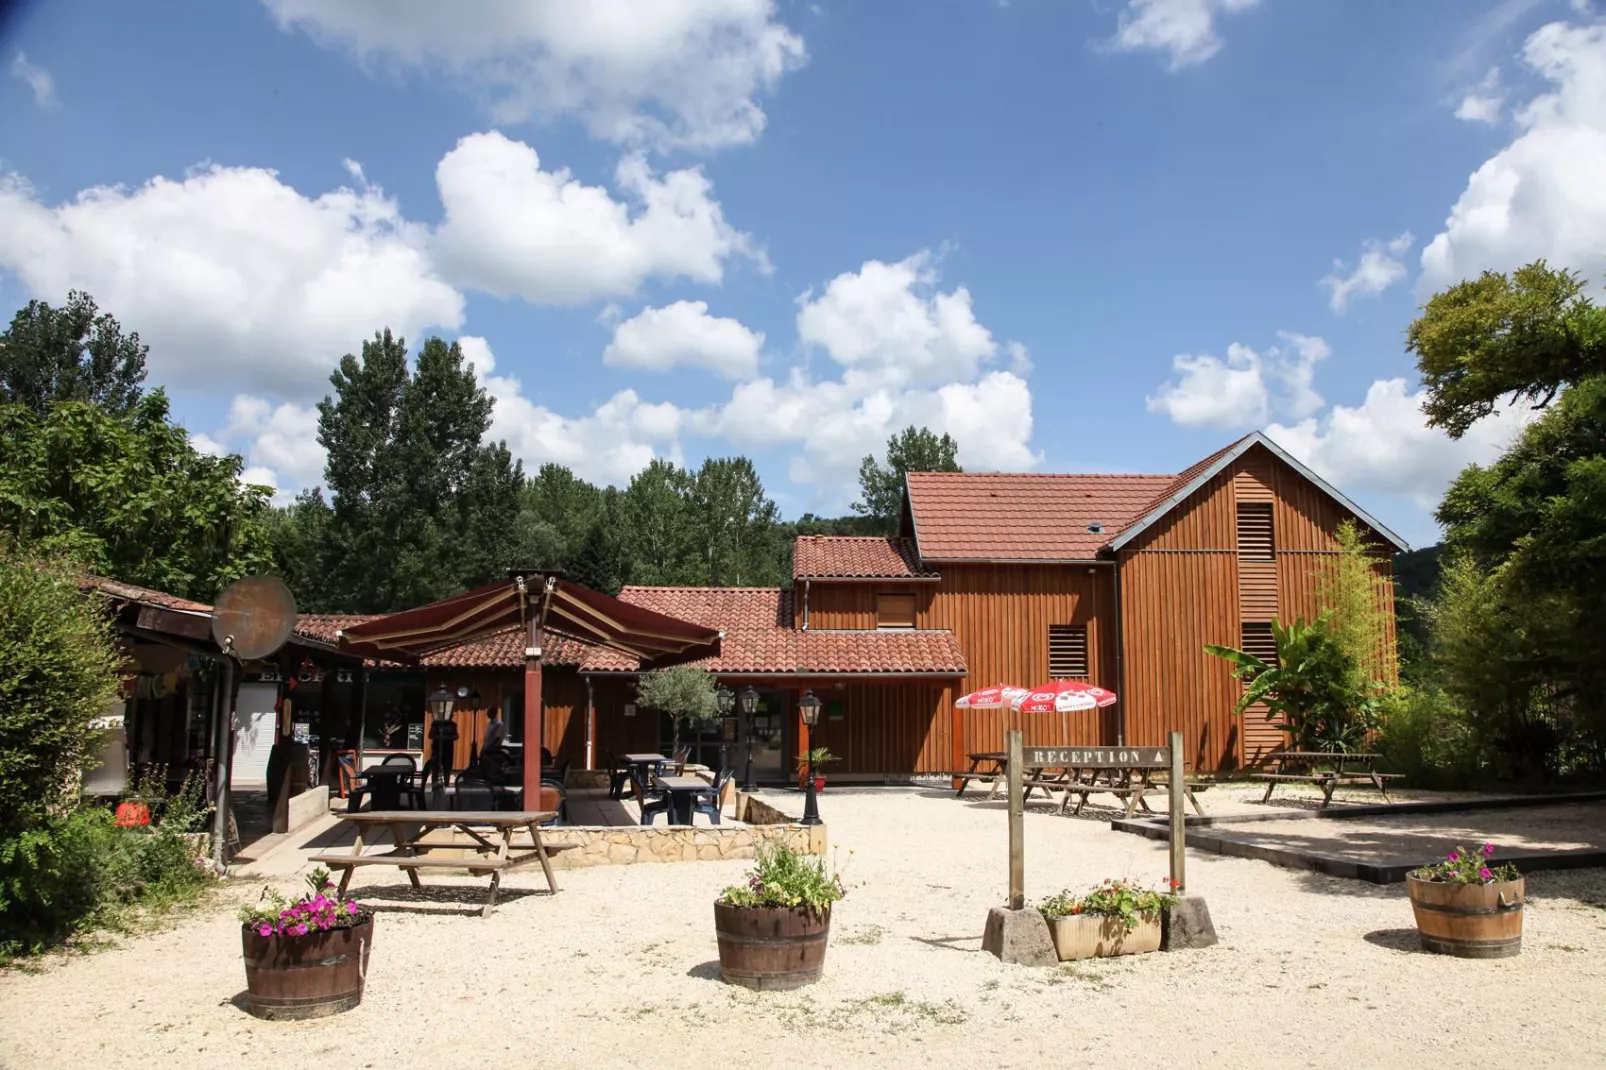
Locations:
{"points": [[1063, 696]]}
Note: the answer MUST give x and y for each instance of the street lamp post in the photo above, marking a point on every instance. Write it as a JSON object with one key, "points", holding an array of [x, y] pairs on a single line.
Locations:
{"points": [[808, 708], [725, 702], [749, 704], [442, 736]]}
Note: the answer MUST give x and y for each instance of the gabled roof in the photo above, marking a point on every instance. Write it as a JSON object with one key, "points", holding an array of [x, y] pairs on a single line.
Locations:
{"points": [[128, 592], [990, 516], [1199, 474], [759, 639], [503, 650], [851, 557]]}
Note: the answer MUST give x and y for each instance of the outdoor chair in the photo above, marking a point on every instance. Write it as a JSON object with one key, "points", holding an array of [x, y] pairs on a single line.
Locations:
{"points": [[707, 802], [618, 775], [653, 801], [474, 793], [563, 799], [412, 787]]}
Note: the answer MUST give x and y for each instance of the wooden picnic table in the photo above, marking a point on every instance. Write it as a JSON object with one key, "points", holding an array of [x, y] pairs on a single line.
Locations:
{"points": [[1132, 783], [491, 833], [1342, 771]]}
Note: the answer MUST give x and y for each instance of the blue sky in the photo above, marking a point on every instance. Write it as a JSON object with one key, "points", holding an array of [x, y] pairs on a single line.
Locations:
{"points": [[1079, 235]]}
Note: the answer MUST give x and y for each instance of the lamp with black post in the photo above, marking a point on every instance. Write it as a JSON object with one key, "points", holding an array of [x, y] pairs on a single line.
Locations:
{"points": [[808, 708], [442, 736], [725, 702], [749, 704]]}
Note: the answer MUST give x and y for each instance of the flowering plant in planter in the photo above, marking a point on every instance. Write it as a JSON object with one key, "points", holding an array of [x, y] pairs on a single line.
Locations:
{"points": [[318, 910], [1114, 899], [783, 877], [1462, 866]]}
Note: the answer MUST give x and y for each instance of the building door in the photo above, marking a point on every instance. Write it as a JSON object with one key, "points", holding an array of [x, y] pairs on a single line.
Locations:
{"points": [[256, 729], [769, 734]]}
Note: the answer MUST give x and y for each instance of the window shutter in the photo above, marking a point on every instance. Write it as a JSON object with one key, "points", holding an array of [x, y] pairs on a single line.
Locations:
{"points": [[1067, 650], [1254, 531], [895, 611]]}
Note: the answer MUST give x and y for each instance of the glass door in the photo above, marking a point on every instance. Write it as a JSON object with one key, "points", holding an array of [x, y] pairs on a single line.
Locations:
{"points": [[769, 735]]}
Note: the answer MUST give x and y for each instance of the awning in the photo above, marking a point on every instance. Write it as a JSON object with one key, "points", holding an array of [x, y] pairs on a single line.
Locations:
{"points": [[571, 610]]}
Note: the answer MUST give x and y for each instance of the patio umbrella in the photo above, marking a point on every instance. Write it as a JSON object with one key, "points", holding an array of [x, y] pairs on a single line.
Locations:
{"points": [[1063, 696], [991, 698]]}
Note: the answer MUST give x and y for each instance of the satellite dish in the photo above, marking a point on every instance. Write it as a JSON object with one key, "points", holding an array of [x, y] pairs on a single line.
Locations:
{"points": [[252, 617]]}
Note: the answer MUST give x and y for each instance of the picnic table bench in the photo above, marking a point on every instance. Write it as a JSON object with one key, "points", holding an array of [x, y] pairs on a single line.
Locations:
{"points": [[491, 840], [1342, 772], [1133, 783]]}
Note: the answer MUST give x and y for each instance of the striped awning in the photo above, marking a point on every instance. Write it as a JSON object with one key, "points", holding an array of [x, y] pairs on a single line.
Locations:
{"points": [[571, 610]]}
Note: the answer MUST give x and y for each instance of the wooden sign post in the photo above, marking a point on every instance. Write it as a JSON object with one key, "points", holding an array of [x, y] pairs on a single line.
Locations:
{"points": [[1017, 823], [1179, 819]]}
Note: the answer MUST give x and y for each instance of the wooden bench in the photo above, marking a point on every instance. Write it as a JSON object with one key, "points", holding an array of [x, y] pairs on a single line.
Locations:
{"points": [[1329, 780]]}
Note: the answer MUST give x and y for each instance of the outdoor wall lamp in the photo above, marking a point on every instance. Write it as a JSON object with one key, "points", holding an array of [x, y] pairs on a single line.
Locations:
{"points": [[724, 702], [808, 708]]}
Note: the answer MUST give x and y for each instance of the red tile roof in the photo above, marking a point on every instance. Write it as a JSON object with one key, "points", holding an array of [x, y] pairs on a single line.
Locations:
{"points": [[842, 557], [1024, 517], [503, 650], [1180, 481], [759, 637]]}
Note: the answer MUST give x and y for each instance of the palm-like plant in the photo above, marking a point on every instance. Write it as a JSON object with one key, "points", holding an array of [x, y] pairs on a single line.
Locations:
{"points": [[1311, 686]]}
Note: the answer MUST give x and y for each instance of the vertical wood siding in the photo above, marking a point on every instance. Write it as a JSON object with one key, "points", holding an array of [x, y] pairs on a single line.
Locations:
{"points": [[1183, 586], [887, 726], [852, 606], [1001, 614], [563, 730]]}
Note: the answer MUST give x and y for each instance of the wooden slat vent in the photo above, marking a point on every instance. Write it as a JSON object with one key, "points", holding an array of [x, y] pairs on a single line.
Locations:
{"points": [[1256, 638], [1254, 531], [1067, 650]]}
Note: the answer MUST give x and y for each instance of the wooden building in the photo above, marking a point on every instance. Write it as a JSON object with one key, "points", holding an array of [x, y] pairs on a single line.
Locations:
{"points": [[1120, 580]]}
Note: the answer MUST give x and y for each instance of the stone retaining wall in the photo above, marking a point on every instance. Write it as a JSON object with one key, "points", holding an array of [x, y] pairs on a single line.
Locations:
{"points": [[629, 846], [755, 811]]}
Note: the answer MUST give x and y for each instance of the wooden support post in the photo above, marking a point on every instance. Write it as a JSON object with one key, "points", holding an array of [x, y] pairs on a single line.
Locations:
{"points": [[1179, 817], [1017, 824]]}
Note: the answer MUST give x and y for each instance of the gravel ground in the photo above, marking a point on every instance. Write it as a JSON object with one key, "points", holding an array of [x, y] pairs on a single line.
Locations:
{"points": [[1311, 971]]}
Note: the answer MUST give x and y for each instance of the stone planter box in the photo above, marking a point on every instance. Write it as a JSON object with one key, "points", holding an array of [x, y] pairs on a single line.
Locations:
{"points": [[1087, 936]]}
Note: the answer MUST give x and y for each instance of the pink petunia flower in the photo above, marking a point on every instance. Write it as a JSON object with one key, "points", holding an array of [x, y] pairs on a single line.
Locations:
{"points": [[1486, 874], [265, 930], [1455, 856], [1488, 850], [351, 908]]}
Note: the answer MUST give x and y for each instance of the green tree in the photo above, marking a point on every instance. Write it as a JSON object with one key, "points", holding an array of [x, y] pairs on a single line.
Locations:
{"points": [[1527, 597], [129, 497], [421, 506], [685, 693], [566, 505], [657, 525], [602, 561], [1353, 591], [299, 535], [71, 353], [1312, 689], [58, 671], [913, 449], [731, 524]]}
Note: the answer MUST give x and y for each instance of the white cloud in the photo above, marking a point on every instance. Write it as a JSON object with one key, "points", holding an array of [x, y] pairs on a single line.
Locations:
{"points": [[512, 228], [835, 424], [1184, 30], [37, 78], [683, 334], [282, 437], [1385, 445], [1483, 103], [1378, 268], [665, 73], [1542, 195], [232, 277], [889, 322], [1243, 389]]}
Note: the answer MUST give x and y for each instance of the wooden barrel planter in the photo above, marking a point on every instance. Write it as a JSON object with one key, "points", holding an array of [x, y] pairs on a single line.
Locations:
{"points": [[771, 948], [1470, 921], [292, 977]]}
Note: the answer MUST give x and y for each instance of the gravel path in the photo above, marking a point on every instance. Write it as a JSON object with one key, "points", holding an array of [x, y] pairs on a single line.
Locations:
{"points": [[1311, 971]]}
